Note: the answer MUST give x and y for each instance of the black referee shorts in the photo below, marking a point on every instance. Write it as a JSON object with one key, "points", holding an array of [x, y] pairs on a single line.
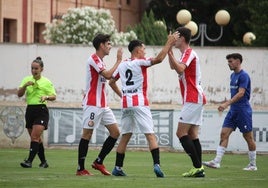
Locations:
{"points": [[36, 115]]}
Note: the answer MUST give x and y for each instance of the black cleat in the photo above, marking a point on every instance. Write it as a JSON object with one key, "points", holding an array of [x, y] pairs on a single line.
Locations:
{"points": [[26, 164], [43, 164]]}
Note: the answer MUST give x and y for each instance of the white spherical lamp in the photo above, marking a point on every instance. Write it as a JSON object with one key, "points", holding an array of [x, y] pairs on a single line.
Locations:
{"points": [[222, 17], [193, 27], [248, 38], [183, 16]]}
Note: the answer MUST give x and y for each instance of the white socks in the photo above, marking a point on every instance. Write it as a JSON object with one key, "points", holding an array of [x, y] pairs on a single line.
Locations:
{"points": [[252, 157], [219, 154], [221, 151]]}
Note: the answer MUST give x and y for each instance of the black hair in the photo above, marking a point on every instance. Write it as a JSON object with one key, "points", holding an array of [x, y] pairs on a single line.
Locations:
{"points": [[185, 32], [133, 44], [100, 38], [235, 56], [39, 61]]}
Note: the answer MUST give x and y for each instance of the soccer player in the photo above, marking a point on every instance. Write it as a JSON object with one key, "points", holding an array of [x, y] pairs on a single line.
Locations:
{"points": [[134, 101], [95, 109], [38, 90], [188, 69], [239, 114]]}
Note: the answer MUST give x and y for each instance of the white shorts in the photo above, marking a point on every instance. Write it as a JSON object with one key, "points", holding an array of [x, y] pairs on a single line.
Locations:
{"points": [[137, 116], [94, 116], [192, 113]]}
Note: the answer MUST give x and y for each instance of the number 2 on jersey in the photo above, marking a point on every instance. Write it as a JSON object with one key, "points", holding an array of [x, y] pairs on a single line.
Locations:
{"points": [[129, 75]]}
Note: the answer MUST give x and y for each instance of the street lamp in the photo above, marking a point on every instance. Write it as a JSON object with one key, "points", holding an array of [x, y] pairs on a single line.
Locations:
{"points": [[222, 18], [248, 38]]}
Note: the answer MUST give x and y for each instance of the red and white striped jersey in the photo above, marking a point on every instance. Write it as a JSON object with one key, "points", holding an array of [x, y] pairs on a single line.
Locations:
{"points": [[95, 93], [190, 79], [133, 75]]}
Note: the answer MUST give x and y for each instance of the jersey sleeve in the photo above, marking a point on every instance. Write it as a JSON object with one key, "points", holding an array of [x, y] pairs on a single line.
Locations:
{"points": [[51, 89], [145, 62], [116, 74], [243, 81], [25, 80], [96, 63], [187, 57], [48, 87], [22, 83]]}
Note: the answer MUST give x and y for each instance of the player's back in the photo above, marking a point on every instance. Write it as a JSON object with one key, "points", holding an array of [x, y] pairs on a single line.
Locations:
{"points": [[133, 75]]}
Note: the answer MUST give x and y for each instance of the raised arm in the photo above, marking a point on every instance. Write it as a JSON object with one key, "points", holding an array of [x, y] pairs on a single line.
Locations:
{"points": [[174, 64], [169, 43], [108, 73]]}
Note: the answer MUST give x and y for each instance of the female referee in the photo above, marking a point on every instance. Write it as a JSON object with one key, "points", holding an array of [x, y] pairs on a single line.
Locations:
{"points": [[38, 90]]}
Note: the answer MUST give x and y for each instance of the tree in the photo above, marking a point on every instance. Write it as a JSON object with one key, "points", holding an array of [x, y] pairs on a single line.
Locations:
{"points": [[80, 25], [258, 21], [150, 30], [246, 15]]}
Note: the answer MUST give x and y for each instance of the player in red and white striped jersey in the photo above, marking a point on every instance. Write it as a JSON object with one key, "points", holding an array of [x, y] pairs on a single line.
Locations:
{"points": [[134, 83], [188, 69], [135, 104], [95, 109]]}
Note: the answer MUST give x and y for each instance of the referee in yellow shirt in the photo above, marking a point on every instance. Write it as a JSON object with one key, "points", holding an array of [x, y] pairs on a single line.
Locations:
{"points": [[38, 90]]}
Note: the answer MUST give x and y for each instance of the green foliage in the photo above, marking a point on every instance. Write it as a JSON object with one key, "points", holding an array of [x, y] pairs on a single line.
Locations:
{"points": [[151, 31], [246, 16], [80, 25], [258, 22]]}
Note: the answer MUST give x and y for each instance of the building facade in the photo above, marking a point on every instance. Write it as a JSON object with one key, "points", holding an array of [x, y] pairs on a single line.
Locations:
{"points": [[23, 21]]}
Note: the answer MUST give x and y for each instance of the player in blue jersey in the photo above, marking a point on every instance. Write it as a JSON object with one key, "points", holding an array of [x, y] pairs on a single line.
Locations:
{"points": [[239, 114]]}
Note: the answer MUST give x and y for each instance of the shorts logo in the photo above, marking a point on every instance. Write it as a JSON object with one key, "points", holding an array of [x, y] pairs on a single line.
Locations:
{"points": [[91, 123]]}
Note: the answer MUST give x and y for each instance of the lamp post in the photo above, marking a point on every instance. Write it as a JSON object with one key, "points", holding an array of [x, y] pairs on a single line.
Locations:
{"points": [[248, 38], [222, 18]]}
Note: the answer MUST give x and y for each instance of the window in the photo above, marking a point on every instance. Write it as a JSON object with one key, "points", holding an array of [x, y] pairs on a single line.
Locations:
{"points": [[10, 30], [38, 29]]}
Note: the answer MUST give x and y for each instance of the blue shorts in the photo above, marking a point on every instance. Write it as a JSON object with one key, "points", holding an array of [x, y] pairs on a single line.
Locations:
{"points": [[241, 119]]}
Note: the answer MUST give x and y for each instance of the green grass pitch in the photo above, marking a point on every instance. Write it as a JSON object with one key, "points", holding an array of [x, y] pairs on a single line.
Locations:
{"points": [[137, 165]]}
